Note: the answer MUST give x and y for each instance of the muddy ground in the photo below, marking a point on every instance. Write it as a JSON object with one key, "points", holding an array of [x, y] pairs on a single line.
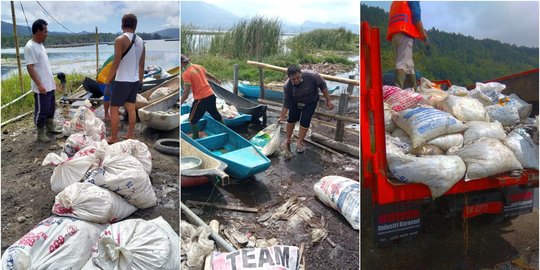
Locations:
{"points": [[26, 194], [270, 189], [455, 244]]}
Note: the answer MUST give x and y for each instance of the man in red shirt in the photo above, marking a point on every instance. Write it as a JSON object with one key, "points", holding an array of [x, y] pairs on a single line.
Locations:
{"points": [[194, 80]]}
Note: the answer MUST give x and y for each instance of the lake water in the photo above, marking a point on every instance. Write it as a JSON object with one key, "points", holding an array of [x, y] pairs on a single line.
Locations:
{"points": [[82, 59]]}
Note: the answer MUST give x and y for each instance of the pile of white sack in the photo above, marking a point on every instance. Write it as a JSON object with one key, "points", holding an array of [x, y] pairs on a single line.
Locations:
{"points": [[438, 137], [97, 186]]}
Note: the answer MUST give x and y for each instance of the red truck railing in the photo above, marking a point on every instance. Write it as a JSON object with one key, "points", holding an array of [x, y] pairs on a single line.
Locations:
{"points": [[373, 147]]}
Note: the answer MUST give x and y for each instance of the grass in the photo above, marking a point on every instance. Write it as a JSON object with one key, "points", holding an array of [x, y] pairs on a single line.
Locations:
{"points": [[11, 90], [324, 39]]}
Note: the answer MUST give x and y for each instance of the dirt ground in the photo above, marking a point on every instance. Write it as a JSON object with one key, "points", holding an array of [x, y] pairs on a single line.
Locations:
{"points": [[270, 189], [454, 244], [26, 194]]}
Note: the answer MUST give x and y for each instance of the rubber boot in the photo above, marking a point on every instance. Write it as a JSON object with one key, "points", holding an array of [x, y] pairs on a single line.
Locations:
{"points": [[51, 128], [410, 81], [399, 80], [195, 130], [42, 135]]}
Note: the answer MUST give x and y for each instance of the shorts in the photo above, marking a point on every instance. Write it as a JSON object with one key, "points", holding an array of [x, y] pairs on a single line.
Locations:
{"points": [[403, 49], [200, 106], [124, 92], [302, 112]]}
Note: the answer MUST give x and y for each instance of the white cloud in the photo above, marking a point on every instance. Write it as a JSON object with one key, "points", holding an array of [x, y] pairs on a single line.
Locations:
{"points": [[152, 9]]}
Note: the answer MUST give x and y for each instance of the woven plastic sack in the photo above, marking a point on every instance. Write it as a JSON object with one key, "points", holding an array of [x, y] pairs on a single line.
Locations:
{"points": [[135, 148], [487, 157], [85, 121], [424, 124], [78, 141], [464, 108], [54, 243], [439, 173], [524, 108], [124, 175], [160, 92], [507, 114], [488, 93], [91, 203], [458, 91], [137, 244], [267, 258], [478, 130], [523, 147], [399, 99], [267, 140], [342, 194], [448, 141], [389, 124], [68, 170]]}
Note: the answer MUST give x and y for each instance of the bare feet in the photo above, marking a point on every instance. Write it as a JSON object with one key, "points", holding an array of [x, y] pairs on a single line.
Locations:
{"points": [[129, 136], [107, 117], [112, 140]]}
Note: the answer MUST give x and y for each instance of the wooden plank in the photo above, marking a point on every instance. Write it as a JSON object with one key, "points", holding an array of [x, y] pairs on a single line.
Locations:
{"points": [[352, 150], [236, 75], [342, 111], [225, 206], [326, 77]]}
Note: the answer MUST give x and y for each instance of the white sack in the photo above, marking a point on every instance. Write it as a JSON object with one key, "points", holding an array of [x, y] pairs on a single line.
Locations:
{"points": [[399, 99], [85, 121], [487, 157], [424, 124], [54, 243], [404, 142], [524, 108], [446, 142], [439, 173], [464, 108], [457, 91], [523, 147], [160, 92], [478, 130], [488, 93], [91, 203], [342, 194], [68, 170], [389, 124], [78, 141], [135, 148], [267, 140], [434, 94], [506, 114], [124, 174], [136, 244], [267, 258], [141, 99]]}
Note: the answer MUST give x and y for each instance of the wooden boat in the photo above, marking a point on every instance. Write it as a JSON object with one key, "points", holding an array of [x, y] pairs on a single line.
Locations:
{"points": [[243, 105], [173, 82], [149, 83], [253, 91], [209, 170], [242, 158], [230, 122], [163, 114]]}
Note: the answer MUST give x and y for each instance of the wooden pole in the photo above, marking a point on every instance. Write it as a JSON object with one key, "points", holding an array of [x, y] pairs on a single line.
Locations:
{"points": [[342, 110], [350, 87], [343, 147], [327, 77], [261, 82], [236, 75], [97, 51], [17, 55], [333, 116]]}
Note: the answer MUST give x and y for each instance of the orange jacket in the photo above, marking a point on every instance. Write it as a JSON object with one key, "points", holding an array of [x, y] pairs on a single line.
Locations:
{"points": [[401, 21]]}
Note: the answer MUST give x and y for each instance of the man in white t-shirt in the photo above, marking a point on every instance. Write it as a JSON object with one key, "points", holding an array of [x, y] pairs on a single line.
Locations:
{"points": [[43, 85], [127, 70]]}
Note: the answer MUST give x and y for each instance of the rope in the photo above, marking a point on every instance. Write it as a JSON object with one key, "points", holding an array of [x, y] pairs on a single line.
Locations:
{"points": [[54, 18], [27, 25]]}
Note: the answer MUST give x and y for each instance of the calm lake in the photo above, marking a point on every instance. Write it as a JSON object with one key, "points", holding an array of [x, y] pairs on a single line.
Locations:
{"points": [[82, 59]]}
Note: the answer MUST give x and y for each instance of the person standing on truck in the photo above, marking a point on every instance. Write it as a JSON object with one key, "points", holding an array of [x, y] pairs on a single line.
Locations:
{"points": [[43, 85], [300, 99], [404, 26], [194, 79], [127, 70]]}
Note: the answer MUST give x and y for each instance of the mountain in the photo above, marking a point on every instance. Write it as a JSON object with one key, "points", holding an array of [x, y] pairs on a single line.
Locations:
{"points": [[169, 32], [7, 29], [461, 59], [206, 15]]}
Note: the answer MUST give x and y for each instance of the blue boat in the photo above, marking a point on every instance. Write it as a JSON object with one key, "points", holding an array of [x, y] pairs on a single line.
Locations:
{"points": [[242, 158], [237, 121], [253, 91]]}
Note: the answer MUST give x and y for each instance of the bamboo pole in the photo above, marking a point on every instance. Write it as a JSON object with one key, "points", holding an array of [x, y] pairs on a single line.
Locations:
{"points": [[97, 51], [17, 99], [327, 77], [16, 118], [333, 116], [261, 83], [17, 54], [236, 75]]}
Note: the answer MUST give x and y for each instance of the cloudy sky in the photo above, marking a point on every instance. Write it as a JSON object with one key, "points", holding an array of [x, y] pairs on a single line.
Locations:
{"points": [[295, 11], [80, 16], [512, 22]]}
